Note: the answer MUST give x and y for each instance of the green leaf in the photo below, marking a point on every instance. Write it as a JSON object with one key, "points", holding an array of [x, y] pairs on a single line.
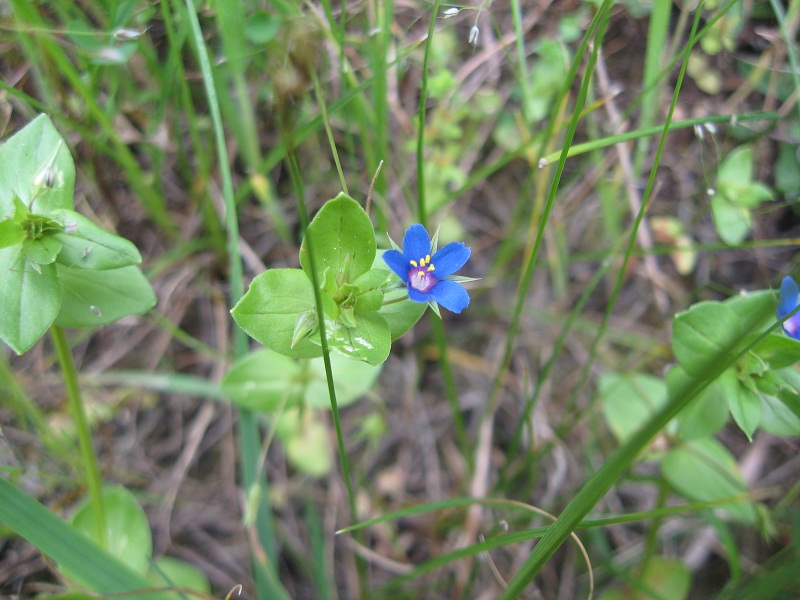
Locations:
{"points": [[780, 402], [778, 350], [351, 378], [663, 578], [629, 400], [261, 28], [736, 170], [71, 550], [264, 380], [42, 251], [89, 246], [29, 299], [706, 329], [743, 402], [306, 440], [127, 532], [94, 298], [370, 339], [705, 471], [706, 414], [179, 573], [732, 222], [754, 310], [753, 195], [11, 233], [36, 166], [269, 311], [343, 240]]}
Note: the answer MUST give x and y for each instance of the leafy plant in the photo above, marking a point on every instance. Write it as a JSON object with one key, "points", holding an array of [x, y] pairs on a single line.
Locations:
{"points": [[736, 196], [58, 267], [279, 310]]}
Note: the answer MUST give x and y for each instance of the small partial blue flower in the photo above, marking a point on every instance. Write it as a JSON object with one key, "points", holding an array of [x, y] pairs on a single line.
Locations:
{"points": [[426, 276], [788, 300]]}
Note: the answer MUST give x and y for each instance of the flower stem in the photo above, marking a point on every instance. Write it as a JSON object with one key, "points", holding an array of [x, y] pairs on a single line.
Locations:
{"points": [[78, 409]]}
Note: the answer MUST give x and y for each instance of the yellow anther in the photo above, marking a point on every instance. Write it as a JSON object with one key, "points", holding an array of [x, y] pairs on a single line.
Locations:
{"points": [[413, 262], [431, 268], [421, 273]]}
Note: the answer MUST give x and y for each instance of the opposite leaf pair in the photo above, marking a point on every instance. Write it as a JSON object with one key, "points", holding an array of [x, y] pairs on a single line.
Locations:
{"points": [[364, 308], [56, 265]]}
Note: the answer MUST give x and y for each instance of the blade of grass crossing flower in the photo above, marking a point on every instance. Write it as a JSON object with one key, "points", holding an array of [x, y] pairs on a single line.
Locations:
{"points": [[613, 468], [620, 460], [248, 430]]}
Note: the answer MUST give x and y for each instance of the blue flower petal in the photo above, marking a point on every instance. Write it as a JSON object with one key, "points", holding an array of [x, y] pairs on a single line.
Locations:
{"points": [[395, 260], [416, 243], [450, 259], [418, 296], [450, 294], [788, 298], [792, 327]]}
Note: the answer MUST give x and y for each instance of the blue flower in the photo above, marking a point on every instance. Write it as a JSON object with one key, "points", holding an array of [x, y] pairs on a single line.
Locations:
{"points": [[426, 276], [788, 300]]}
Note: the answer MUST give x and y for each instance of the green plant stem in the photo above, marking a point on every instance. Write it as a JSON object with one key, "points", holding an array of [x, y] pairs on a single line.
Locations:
{"points": [[423, 100], [328, 131], [294, 174], [78, 410], [267, 581]]}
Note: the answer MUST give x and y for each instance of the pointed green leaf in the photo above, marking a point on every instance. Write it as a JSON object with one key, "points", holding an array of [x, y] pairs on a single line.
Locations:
{"points": [[629, 400], [352, 379], [343, 240], [174, 572], [264, 381], [706, 329], [94, 298], [127, 532], [732, 221], [42, 251], [11, 233], [736, 170], [703, 416], [101, 571], [370, 340], [778, 350], [29, 299], [89, 246], [744, 403], [268, 312], [705, 470], [36, 166]]}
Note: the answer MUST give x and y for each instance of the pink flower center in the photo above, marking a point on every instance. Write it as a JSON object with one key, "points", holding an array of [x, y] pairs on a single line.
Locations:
{"points": [[420, 276]]}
